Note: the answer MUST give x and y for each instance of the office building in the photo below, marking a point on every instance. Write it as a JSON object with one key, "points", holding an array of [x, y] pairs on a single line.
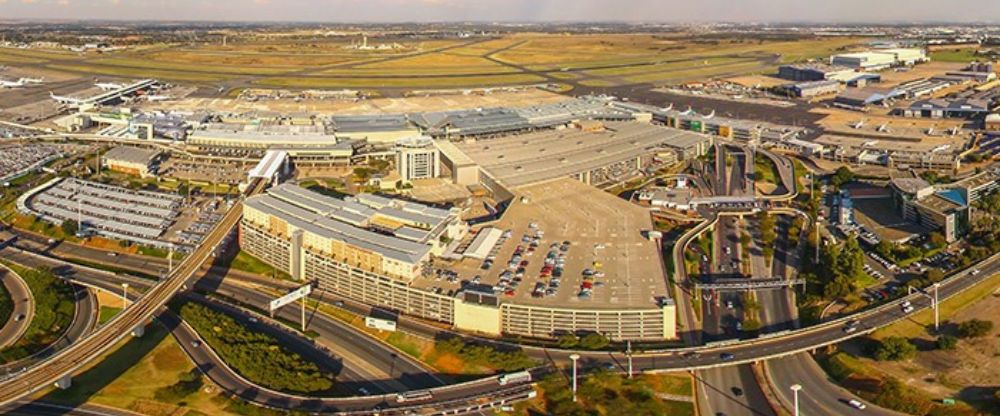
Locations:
{"points": [[945, 211], [132, 160], [417, 158]]}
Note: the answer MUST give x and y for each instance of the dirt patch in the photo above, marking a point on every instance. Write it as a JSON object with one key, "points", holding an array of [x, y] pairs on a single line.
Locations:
{"points": [[957, 373], [108, 245], [449, 364]]}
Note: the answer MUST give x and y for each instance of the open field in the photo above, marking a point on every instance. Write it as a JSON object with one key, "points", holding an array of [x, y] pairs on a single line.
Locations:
{"points": [[403, 82], [606, 60]]}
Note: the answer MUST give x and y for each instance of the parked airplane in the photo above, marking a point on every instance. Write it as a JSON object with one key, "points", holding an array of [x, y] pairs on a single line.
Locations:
{"points": [[21, 82], [152, 98], [109, 86], [61, 99]]}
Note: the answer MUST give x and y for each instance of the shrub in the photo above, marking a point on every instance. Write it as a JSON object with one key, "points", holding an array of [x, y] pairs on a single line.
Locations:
{"points": [[894, 349], [568, 341], [974, 328], [947, 342], [594, 341]]}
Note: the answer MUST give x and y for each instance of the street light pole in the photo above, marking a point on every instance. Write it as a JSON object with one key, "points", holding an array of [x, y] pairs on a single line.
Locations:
{"points": [[628, 353], [124, 295], [795, 397], [937, 309], [574, 357]]}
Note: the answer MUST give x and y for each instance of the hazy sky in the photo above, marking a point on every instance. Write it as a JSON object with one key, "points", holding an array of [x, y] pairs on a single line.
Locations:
{"points": [[510, 10]]}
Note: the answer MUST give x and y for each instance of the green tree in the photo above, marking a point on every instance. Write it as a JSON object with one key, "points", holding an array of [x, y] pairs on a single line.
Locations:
{"points": [[594, 341], [568, 341], [841, 176], [934, 275], [70, 227], [946, 342], [974, 328], [894, 349], [937, 239]]}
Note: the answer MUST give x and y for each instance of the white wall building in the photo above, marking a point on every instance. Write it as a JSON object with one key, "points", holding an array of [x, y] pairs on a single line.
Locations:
{"points": [[417, 158]]}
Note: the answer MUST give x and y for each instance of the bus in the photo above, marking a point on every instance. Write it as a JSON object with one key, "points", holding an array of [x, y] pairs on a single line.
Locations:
{"points": [[414, 396], [518, 377]]}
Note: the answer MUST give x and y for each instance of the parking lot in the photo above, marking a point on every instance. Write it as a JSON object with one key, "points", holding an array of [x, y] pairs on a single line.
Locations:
{"points": [[569, 245]]}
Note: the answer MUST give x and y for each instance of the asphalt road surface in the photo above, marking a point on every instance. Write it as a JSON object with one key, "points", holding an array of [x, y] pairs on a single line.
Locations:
{"points": [[23, 311], [730, 391]]}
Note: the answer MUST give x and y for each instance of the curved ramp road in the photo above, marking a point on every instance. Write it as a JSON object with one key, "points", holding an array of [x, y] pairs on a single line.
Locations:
{"points": [[70, 360], [819, 395], [85, 317], [23, 311]]}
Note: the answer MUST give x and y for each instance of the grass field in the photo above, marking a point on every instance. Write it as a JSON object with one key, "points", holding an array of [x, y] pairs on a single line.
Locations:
{"points": [[247, 263], [917, 323], [603, 60], [958, 55], [130, 376], [438, 82], [107, 312]]}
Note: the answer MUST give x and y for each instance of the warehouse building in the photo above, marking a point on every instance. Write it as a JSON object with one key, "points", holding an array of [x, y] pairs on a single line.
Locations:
{"points": [[880, 58], [815, 88], [813, 72], [947, 108], [861, 98], [133, 160]]}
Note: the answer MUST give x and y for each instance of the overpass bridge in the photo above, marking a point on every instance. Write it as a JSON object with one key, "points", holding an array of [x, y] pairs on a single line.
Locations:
{"points": [[748, 284], [60, 368]]}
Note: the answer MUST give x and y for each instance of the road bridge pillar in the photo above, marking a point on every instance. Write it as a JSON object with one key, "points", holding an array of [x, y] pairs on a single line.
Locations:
{"points": [[64, 382], [139, 331]]}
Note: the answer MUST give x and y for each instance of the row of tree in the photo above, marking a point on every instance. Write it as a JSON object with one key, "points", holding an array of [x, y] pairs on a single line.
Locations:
{"points": [[257, 356]]}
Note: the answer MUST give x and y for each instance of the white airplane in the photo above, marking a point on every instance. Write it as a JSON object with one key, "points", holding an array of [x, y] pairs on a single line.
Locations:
{"points": [[61, 99], [109, 86], [11, 84], [21, 82], [152, 98]]}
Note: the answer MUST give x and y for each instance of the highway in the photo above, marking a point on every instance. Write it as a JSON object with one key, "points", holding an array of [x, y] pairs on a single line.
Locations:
{"points": [[71, 359], [39, 408], [390, 370], [84, 319], [365, 358], [23, 311], [707, 356]]}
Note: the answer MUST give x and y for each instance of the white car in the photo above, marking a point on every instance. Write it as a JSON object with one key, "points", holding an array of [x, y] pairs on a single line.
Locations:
{"points": [[857, 404]]}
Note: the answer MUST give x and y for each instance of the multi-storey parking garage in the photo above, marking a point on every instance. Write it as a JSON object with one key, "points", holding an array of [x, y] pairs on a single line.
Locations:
{"points": [[299, 234]]}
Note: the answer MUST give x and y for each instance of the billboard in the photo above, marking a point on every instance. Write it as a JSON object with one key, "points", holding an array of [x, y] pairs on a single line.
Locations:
{"points": [[380, 324], [291, 297]]}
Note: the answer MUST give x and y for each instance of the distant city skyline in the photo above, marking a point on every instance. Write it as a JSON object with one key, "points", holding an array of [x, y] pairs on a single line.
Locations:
{"points": [[348, 11]]}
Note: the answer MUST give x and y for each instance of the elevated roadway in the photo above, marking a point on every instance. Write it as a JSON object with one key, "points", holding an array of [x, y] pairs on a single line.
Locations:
{"points": [[72, 359]]}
